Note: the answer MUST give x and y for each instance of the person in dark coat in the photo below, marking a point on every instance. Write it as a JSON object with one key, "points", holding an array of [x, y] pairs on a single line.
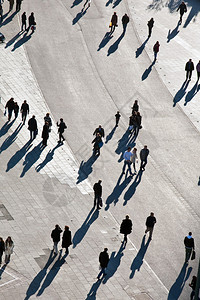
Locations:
{"points": [[97, 193], [150, 222], [97, 142], [103, 260], [150, 26], [193, 286], [16, 109], [11, 4], [99, 130], [126, 228], [18, 5], [32, 126], [10, 105], [138, 123], [66, 239], [61, 128], [189, 246], [23, 21], [31, 21], [182, 7], [114, 22], [47, 119], [2, 249], [117, 117], [45, 134], [55, 235], [156, 48], [1, 13], [135, 107], [143, 157], [189, 67], [125, 21], [24, 111]]}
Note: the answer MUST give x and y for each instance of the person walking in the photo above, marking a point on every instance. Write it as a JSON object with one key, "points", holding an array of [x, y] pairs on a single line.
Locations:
{"points": [[156, 48], [198, 70], [32, 127], [1, 13], [18, 5], [16, 109], [143, 157], [135, 107], [55, 235], [150, 26], [24, 18], [31, 21], [97, 143], [134, 159], [189, 67], [127, 160], [189, 246], [61, 128], [97, 188], [138, 123], [10, 107], [9, 245], [45, 134], [150, 222], [114, 20], [99, 130], [126, 228], [47, 119], [11, 4], [183, 9], [125, 21], [193, 286], [117, 117], [103, 260], [2, 249], [24, 111], [66, 239]]}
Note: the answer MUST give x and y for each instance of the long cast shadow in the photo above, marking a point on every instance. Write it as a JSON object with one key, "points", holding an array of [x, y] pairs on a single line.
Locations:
{"points": [[173, 33], [4, 129], [93, 291], [2, 270], [8, 20], [147, 71], [31, 158], [115, 46], [35, 284], [76, 2], [176, 289], [114, 263], [107, 37], [117, 2], [18, 156], [132, 189], [138, 260], [180, 94], [110, 135], [126, 141], [192, 14], [141, 48], [48, 158], [109, 2], [22, 41], [10, 139], [117, 191], [79, 16], [52, 273], [9, 43], [86, 168], [81, 232], [192, 93]]}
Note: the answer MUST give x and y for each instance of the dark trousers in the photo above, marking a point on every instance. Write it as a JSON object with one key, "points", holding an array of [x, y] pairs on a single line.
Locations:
{"points": [[188, 74], [1, 16], [97, 200], [192, 295], [44, 141], [188, 252], [127, 163], [9, 114], [18, 5], [150, 31], [143, 163], [112, 28], [61, 136], [198, 75], [33, 134], [24, 115], [23, 25], [181, 16], [117, 121]]}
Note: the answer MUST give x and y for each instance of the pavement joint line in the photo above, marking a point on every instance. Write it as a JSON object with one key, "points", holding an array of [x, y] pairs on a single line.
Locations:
{"points": [[14, 278]]}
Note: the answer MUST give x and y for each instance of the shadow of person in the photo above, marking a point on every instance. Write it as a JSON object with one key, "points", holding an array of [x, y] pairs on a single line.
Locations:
{"points": [[141, 48], [10, 139], [110, 135], [115, 46], [114, 263], [48, 158], [86, 168], [79, 16], [2, 270], [107, 37], [76, 2], [18, 156], [173, 33], [192, 14], [148, 71], [117, 191], [176, 289], [192, 93], [35, 284], [117, 2], [4, 129], [180, 94], [31, 158], [9, 43], [52, 273], [109, 2], [132, 189], [22, 41], [138, 260], [8, 20], [93, 291], [81, 232], [123, 144]]}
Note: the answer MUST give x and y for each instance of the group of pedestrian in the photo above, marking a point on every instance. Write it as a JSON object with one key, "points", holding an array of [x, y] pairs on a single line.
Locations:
{"points": [[130, 157], [6, 248], [66, 238], [135, 120], [189, 67], [31, 22], [114, 22], [13, 106]]}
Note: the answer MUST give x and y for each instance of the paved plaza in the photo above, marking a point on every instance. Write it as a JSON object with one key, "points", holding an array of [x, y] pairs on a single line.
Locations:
{"points": [[71, 68]]}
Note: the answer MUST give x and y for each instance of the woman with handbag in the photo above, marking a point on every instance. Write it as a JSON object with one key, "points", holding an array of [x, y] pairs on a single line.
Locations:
{"points": [[9, 245]]}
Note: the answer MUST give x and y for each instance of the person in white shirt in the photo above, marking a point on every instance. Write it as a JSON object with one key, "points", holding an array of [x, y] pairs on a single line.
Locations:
{"points": [[134, 158], [127, 160]]}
